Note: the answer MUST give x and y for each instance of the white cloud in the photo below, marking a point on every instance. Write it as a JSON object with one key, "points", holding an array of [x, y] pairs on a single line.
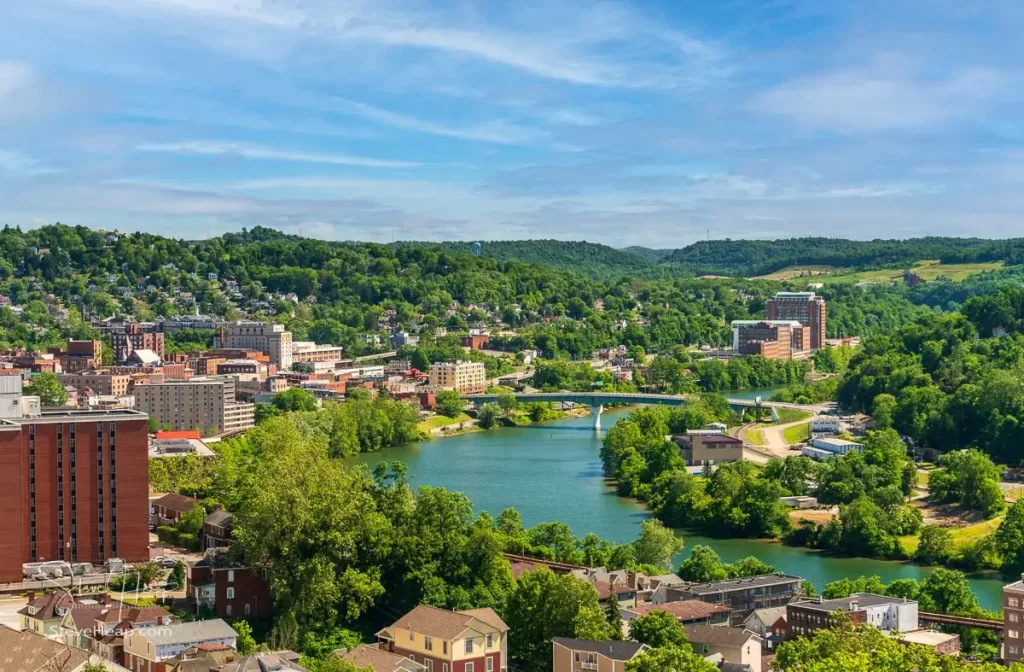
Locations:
{"points": [[248, 151], [494, 132], [874, 100], [16, 164], [14, 76]]}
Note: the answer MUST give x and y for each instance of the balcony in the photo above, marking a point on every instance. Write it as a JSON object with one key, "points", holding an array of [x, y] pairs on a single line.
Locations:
{"points": [[588, 666]]}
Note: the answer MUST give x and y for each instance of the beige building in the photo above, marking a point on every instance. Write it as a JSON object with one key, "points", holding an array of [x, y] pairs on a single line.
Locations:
{"points": [[106, 384], [206, 403], [459, 376], [270, 339], [308, 352], [471, 640], [733, 645], [584, 655]]}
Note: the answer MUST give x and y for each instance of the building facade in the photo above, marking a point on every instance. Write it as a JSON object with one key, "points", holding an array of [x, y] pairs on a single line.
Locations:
{"points": [[584, 655], [308, 351], [133, 337], [473, 640], [270, 339], [803, 619], [206, 403], [1013, 621], [73, 488], [106, 384], [743, 595], [806, 308], [771, 339], [466, 377]]}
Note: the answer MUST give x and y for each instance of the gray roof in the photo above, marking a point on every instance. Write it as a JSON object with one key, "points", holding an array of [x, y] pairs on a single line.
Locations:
{"points": [[277, 661], [739, 584], [768, 615], [851, 603], [613, 650], [195, 632], [220, 518], [717, 635]]}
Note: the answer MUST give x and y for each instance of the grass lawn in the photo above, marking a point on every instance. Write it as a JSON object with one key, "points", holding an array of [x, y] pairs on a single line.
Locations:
{"points": [[788, 415], [433, 423], [755, 437], [961, 535], [922, 479], [797, 433], [928, 269]]}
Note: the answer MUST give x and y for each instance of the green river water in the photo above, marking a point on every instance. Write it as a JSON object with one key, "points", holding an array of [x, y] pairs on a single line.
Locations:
{"points": [[552, 471]]}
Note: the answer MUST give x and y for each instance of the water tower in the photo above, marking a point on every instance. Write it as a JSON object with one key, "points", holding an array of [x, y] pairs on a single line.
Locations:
{"points": [[477, 247]]}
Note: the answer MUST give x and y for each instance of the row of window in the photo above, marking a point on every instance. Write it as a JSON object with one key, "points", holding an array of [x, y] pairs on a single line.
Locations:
{"points": [[428, 642], [470, 667]]}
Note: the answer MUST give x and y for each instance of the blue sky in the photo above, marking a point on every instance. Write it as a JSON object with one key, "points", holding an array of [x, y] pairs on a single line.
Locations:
{"points": [[626, 123]]}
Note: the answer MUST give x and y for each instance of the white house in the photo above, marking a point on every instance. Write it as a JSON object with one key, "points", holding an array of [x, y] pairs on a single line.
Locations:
{"points": [[146, 647]]}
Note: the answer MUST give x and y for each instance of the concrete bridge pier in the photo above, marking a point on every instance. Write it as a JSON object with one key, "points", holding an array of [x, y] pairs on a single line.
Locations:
{"points": [[596, 412]]}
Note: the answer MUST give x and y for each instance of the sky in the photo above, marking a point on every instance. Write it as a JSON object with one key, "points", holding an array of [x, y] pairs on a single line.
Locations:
{"points": [[654, 123]]}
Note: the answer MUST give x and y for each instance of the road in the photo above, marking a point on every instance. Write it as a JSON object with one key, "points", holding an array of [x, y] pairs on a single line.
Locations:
{"points": [[774, 441]]}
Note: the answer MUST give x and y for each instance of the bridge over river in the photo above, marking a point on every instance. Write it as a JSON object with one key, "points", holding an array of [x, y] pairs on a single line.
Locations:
{"points": [[597, 400]]}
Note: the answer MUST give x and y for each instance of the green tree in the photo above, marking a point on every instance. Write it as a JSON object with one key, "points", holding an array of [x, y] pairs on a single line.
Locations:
{"points": [[748, 566], [294, 399], [191, 521], [935, 546], [176, 579], [546, 605], [49, 389], [947, 591], [658, 628], [702, 566], [657, 544], [970, 478], [488, 415], [449, 403], [670, 659], [246, 644], [882, 410], [1009, 538], [507, 403]]}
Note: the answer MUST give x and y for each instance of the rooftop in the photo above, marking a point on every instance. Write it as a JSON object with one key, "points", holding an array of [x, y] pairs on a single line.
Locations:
{"points": [[380, 660], [740, 584], [684, 610], [613, 650], [717, 635], [194, 632], [927, 637], [445, 624], [854, 602]]}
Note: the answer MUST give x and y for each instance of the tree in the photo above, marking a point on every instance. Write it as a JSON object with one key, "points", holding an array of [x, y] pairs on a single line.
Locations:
{"points": [[947, 591], [882, 410], [246, 644], [544, 605], [487, 416], [508, 403], [336, 663], [449, 403], [658, 628], [191, 522], [49, 389], [969, 478], [748, 566], [702, 566], [614, 614], [657, 544], [294, 399], [1009, 538], [670, 659], [935, 546], [176, 579]]}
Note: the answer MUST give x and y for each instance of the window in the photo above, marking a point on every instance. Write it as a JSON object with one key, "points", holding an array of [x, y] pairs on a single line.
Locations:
{"points": [[1012, 617], [248, 608], [231, 593], [444, 646], [227, 610], [490, 640], [489, 665], [428, 643], [576, 656], [469, 647], [231, 576], [1012, 634], [444, 667], [1012, 602], [469, 667], [430, 665], [412, 636]]}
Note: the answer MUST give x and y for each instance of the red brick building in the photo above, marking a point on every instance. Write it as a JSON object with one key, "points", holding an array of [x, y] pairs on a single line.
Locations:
{"points": [[230, 589], [133, 338], [74, 487], [806, 308]]}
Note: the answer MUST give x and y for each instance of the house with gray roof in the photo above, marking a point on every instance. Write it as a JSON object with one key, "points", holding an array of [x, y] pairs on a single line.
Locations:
{"points": [[150, 648], [575, 655]]}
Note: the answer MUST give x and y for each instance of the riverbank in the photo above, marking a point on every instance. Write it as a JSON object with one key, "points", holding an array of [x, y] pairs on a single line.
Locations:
{"points": [[551, 471]]}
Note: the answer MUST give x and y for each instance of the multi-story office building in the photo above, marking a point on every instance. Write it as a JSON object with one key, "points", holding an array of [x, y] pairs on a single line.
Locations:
{"points": [[74, 485], [308, 351], [107, 384], [271, 339], [206, 403], [806, 308], [459, 376], [772, 339], [1013, 621], [134, 337], [82, 355], [743, 595]]}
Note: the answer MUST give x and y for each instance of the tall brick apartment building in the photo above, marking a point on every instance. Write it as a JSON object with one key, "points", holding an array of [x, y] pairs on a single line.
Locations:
{"points": [[806, 308], [73, 487]]}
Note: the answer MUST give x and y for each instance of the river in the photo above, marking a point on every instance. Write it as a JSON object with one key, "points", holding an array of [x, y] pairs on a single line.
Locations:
{"points": [[552, 471]]}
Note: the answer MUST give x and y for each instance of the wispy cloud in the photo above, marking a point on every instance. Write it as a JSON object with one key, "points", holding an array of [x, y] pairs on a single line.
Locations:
{"points": [[14, 75], [15, 164], [257, 152], [873, 100], [494, 132]]}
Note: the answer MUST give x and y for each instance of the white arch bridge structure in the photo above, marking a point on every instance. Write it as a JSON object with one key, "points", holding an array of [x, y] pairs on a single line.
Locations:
{"points": [[598, 400]]}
